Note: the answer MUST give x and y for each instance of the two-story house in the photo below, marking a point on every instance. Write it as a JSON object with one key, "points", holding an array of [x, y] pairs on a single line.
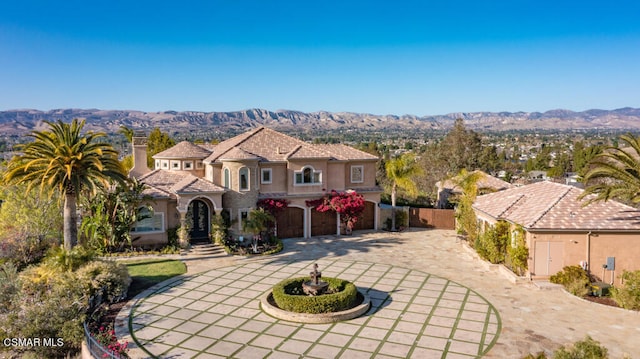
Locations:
{"points": [[192, 182]]}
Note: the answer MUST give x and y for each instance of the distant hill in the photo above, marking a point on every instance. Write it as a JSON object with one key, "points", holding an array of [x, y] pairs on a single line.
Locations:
{"points": [[18, 122]]}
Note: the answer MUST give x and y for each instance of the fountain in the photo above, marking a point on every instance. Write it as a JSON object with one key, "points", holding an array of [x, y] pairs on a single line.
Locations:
{"points": [[311, 300], [315, 286]]}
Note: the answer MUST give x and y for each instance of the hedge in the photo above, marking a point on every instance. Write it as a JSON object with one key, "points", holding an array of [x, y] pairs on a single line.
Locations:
{"points": [[288, 295]]}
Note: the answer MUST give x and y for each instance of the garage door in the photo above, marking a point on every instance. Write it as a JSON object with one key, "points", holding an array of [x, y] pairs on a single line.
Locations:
{"points": [[323, 223], [368, 218], [290, 223]]}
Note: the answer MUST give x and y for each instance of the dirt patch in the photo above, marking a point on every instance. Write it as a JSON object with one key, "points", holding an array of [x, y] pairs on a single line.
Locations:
{"points": [[602, 300]]}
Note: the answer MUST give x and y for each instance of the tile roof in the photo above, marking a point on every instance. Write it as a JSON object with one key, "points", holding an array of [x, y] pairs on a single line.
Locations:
{"points": [[273, 146], [163, 183], [553, 206], [236, 153], [344, 152], [184, 149], [487, 181]]}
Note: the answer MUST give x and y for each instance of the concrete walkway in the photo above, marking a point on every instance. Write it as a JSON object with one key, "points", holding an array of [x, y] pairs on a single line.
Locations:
{"points": [[431, 299]]}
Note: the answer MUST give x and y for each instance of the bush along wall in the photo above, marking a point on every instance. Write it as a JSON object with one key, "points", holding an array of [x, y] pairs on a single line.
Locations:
{"points": [[63, 289]]}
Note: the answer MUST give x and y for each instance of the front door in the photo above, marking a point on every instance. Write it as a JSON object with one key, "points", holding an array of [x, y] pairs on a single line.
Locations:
{"points": [[199, 216]]}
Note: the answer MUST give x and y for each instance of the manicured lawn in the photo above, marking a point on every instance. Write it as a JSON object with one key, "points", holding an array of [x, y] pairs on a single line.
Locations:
{"points": [[147, 272]]}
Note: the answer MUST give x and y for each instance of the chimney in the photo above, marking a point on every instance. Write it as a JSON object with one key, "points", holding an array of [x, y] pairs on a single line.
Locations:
{"points": [[139, 142]]}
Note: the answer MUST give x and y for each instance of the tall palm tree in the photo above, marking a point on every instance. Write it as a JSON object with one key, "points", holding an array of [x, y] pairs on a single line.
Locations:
{"points": [[615, 173], [400, 172], [64, 160]]}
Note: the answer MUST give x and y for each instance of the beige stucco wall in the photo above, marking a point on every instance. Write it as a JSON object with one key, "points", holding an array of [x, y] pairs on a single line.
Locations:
{"points": [[625, 247], [318, 165], [369, 179], [279, 178]]}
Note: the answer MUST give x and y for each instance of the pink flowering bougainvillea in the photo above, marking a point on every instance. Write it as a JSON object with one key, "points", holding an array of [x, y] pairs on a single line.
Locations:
{"points": [[349, 204], [273, 205]]}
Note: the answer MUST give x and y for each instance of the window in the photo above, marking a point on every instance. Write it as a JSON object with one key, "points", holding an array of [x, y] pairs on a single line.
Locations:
{"points": [[199, 165], [243, 174], [165, 164], [307, 176], [157, 163], [175, 165], [150, 221], [357, 174], [266, 175], [188, 165], [227, 178]]}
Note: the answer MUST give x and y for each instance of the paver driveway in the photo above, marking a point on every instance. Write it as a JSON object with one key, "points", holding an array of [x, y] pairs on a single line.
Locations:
{"points": [[435, 304]]}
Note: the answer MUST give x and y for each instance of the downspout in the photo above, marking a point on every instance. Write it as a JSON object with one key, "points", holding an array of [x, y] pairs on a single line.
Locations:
{"points": [[589, 253]]}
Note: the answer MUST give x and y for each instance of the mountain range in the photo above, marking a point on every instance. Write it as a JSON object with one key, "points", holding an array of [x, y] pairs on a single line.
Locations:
{"points": [[19, 122]]}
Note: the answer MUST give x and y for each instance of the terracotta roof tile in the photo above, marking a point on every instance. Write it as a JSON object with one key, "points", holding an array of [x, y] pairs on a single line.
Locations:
{"points": [[552, 206], [270, 145], [237, 153], [184, 149], [193, 184], [163, 183], [343, 152], [487, 181]]}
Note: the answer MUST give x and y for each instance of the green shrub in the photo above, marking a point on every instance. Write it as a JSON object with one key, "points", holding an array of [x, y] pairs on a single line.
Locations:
{"points": [[109, 280], [22, 249], [401, 219], [65, 260], [9, 287], [491, 245], [627, 295], [49, 301], [54, 308], [288, 296], [584, 349], [518, 254], [574, 279]]}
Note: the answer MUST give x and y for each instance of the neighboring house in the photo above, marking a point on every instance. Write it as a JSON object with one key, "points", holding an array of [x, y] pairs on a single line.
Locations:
{"points": [[448, 189], [190, 183], [560, 231]]}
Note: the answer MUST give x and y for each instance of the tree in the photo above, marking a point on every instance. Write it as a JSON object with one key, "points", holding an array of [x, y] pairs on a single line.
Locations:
{"points": [[460, 148], [466, 217], [111, 214], [158, 141], [615, 173], [62, 159], [400, 172]]}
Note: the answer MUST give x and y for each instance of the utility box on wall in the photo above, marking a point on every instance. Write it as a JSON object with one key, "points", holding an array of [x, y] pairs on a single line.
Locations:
{"points": [[611, 263]]}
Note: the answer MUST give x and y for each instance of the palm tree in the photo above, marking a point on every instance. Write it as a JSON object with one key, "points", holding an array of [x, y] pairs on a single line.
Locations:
{"points": [[466, 217], [615, 173], [400, 171], [62, 159]]}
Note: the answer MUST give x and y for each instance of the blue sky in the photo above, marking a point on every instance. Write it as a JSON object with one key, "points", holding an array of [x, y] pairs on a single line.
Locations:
{"points": [[381, 57]]}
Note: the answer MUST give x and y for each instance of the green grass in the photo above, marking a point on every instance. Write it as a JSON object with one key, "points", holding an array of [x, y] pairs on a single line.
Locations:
{"points": [[147, 272]]}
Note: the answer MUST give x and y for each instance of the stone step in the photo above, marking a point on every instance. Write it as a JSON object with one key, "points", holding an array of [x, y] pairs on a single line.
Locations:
{"points": [[205, 249]]}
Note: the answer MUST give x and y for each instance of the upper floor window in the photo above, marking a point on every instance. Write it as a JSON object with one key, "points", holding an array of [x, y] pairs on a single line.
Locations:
{"points": [[265, 175], [244, 178], [357, 174], [175, 164], [227, 178], [308, 176], [199, 165], [188, 165]]}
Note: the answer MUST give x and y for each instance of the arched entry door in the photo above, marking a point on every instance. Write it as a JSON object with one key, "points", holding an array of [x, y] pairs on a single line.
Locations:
{"points": [[199, 216]]}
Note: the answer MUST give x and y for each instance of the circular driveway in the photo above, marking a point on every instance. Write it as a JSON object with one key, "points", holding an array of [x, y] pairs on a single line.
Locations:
{"points": [[216, 314]]}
